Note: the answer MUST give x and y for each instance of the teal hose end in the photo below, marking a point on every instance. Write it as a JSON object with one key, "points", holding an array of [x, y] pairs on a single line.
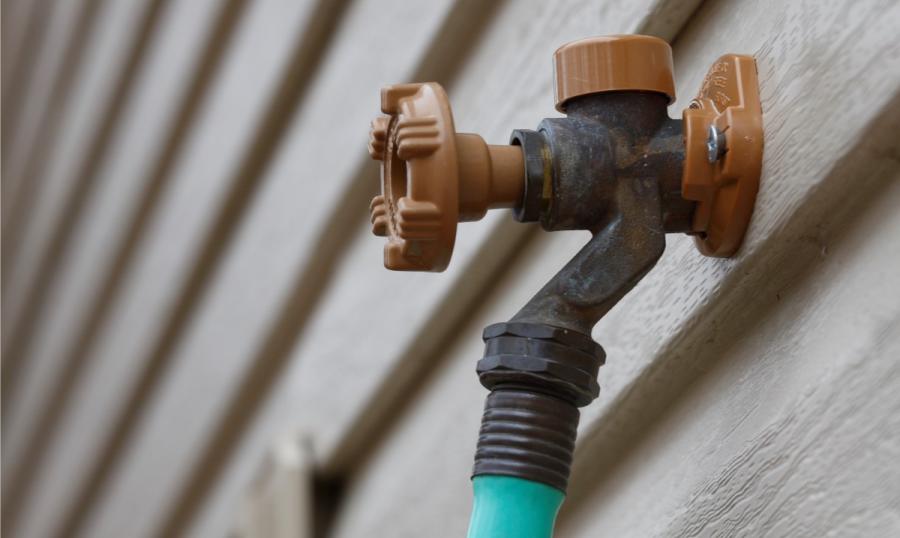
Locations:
{"points": [[509, 507]]}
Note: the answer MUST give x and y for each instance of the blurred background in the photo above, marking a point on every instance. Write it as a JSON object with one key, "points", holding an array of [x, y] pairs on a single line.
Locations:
{"points": [[199, 338]]}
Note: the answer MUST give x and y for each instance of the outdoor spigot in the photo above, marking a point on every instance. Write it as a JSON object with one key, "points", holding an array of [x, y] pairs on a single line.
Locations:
{"points": [[433, 177], [616, 165]]}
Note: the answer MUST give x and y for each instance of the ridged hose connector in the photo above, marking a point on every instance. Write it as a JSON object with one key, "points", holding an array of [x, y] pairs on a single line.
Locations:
{"points": [[539, 375], [528, 435]]}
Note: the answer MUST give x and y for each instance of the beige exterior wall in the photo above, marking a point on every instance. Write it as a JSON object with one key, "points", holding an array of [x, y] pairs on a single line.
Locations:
{"points": [[198, 332]]}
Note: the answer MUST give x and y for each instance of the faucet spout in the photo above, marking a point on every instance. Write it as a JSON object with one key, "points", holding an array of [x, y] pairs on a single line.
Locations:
{"points": [[622, 250]]}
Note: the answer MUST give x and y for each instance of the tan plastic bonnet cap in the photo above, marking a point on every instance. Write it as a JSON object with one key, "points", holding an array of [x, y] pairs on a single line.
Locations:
{"points": [[613, 63]]}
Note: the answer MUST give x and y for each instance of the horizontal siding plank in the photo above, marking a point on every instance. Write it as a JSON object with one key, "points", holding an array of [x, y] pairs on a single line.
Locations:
{"points": [[230, 327], [66, 182], [92, 92], [440, 424], [116, 26], [153, 121], [190, 229], [67, 27], [191, 225], [38, 59], [31, 45], [17, 21]]}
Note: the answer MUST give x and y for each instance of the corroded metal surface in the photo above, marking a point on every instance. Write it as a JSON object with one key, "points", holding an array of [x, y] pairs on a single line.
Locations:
{"points": [[615, 169]]}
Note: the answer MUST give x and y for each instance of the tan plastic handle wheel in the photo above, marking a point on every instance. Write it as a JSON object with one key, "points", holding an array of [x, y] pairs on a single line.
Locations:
{"points": [[432, 177], [418, 207]]}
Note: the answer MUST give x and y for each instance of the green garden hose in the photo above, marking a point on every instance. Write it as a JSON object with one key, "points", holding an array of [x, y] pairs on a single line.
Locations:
{"points": [[509, 507]]}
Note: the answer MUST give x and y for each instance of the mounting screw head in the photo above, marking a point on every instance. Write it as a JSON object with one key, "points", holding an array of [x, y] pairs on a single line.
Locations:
{"points": [[715, 144]]}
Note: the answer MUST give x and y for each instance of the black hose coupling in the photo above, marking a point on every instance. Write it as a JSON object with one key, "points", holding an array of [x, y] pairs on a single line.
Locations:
{"points": [[538, 375]]}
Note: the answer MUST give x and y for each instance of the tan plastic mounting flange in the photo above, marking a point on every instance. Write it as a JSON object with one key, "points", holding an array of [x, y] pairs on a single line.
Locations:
{"points": [[725, 190], [433, 177]]}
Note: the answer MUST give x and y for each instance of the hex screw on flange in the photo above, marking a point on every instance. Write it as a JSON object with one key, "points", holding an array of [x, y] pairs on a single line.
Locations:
{"points": [[716, 144]]}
